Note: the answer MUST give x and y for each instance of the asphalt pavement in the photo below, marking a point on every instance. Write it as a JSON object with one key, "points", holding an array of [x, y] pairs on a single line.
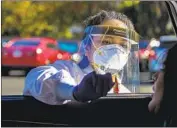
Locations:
{"points": [[14, 84]]}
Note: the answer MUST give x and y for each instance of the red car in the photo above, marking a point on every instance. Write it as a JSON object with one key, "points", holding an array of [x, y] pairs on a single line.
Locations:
{"points": [[67, 48], [145, 54], [27, 53]]}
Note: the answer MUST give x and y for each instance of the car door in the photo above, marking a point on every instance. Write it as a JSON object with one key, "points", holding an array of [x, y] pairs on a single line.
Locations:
{"points": [[51, 51], [113, 110]]}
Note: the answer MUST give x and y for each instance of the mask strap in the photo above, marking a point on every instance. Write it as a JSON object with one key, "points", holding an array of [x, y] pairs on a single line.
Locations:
{"points": [[104, 34], [92, 42], [101, 39]]}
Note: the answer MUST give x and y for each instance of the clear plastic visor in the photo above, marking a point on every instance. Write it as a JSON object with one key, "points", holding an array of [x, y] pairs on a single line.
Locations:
{"points": [[114, 50], [99, 35]]}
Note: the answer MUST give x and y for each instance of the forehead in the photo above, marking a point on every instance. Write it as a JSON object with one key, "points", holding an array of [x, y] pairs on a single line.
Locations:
{"points": [[99, 40], [115, 23], [109, 38]]}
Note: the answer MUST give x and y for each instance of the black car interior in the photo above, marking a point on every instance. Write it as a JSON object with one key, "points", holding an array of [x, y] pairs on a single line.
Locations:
{"points": [[108, 111]]}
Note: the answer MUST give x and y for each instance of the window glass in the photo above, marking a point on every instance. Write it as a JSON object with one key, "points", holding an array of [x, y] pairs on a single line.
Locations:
{"points": [[167, 41], [3, 42], [167, 44], [55, 19], [51, 45], [26, 43]]}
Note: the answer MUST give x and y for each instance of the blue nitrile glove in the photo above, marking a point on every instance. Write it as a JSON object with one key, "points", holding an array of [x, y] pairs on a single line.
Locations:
{"points": [[93, 86]]}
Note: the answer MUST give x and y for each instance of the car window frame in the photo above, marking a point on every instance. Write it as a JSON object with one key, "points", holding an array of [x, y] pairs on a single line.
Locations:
{"points": [[170, 4]]}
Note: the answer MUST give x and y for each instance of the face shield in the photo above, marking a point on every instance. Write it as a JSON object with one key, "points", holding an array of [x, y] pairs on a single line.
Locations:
{"points": [[112, 50]]}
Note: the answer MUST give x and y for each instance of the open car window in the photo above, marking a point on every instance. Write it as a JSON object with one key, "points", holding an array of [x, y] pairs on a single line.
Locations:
{"points": [[63, 20]]}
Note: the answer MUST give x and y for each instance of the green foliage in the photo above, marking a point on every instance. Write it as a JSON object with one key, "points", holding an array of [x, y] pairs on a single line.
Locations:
{"points": [[54, 18], [128, 4]]}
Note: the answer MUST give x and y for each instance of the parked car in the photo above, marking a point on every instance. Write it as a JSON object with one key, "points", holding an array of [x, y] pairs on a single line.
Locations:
{"points": [[27, 53], [145, 53], [143, 57], [67, 48], [166, 42], [3, 42]]}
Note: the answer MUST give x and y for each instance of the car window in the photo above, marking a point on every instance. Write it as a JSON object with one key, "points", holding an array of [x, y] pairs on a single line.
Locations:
{"points": [[26, 43], [3, 42], [168, 44], [63, 20], [51, 45]]}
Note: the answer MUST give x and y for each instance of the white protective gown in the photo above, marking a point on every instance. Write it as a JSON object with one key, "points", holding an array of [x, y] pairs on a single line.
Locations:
{"points": [[53, 84]]}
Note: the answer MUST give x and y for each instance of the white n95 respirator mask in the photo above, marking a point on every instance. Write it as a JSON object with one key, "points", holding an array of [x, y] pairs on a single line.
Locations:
{"points": [[110, 58]]}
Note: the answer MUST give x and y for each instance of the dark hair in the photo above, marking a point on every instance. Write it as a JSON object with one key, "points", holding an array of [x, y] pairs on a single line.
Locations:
{"points": [[98, 18], [102, 15]]}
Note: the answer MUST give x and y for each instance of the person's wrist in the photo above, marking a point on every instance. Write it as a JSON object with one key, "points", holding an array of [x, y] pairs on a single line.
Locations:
{"points": [[74, 93], [77, 95], [65, 91]]}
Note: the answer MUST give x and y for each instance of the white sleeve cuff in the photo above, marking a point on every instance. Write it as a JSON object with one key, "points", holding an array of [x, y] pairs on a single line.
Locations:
{"points": [[65, 92]]}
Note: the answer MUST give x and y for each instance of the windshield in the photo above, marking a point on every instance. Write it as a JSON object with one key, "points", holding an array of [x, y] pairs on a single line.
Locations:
{"points": [[26, 43]]}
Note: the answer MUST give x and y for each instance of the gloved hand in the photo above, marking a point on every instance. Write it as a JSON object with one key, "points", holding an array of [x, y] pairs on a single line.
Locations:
{"points": [[93, 86]]}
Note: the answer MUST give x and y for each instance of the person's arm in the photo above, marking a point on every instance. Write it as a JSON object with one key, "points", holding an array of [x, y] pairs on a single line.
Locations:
{"points": [[49, 85], [158, 88], [53, 86], [166, 76], [169, 102]]}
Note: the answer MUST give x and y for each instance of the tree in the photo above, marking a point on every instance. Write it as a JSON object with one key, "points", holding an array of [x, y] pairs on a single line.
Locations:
{"points": [[55, 18]]}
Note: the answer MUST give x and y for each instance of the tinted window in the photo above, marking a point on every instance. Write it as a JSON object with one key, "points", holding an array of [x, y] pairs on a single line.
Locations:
{"points": [[50, 45], [168, 44], [26, 43]]}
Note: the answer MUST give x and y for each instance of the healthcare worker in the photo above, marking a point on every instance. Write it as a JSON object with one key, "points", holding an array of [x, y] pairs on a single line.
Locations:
{"points": [[94, 70]]}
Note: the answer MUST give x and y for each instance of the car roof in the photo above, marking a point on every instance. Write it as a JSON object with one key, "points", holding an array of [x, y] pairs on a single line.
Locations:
{"points": [[168, 38]]}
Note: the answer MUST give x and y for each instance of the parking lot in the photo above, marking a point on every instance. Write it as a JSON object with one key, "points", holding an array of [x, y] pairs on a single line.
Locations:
{"points": [[13, 85]]}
